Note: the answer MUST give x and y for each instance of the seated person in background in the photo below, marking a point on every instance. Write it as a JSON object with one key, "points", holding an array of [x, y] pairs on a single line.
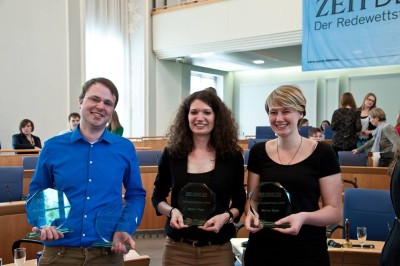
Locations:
{"points": [[114, 126], [73, 120], [385, 139], [304, 122], [324, 124], [315, 133], [25, 139]]}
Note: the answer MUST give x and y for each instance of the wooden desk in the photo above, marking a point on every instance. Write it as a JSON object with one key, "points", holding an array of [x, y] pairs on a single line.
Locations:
{"points": [[131, 259], [338, 256]]}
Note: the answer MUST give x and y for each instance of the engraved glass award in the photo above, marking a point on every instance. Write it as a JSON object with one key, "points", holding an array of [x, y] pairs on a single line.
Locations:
{"points": [[270, 202], [115, 217], [196, 202], [48, 207]]}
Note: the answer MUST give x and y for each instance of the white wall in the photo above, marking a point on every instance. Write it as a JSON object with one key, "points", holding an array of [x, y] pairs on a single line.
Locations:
{"points": [[35, 56], [331, 84], [232, 25]]}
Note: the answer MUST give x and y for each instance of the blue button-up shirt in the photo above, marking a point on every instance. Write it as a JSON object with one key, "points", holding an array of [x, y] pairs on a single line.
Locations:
{"points": [[91, 176]]}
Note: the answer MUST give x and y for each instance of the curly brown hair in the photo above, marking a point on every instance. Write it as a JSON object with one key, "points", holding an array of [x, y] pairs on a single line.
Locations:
{"points": [[223, 137]]}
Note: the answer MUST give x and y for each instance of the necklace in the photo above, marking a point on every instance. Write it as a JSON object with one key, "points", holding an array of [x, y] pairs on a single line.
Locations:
{"points": [[298, 148]]}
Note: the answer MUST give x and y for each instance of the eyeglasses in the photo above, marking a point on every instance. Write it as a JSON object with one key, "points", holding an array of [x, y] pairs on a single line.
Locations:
{"points": [[372, 100], [97, 100]]}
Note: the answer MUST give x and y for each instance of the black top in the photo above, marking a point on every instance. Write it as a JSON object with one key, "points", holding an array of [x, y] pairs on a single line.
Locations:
{"points": [[346, 124], [391, 250], [301, 180], [19, 141], [226, 181]]}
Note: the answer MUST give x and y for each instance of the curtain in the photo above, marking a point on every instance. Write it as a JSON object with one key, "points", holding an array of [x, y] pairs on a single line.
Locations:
{"points": [[109, 25]]}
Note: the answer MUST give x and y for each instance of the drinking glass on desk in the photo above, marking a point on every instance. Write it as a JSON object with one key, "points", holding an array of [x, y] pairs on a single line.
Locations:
{"points": [[362, 235], [19, 256]]}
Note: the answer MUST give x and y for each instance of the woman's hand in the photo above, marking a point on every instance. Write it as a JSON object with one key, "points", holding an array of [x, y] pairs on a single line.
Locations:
{"points": [[355, 151], [252, 223], [176, 220], [215, 223], [296, 222]]}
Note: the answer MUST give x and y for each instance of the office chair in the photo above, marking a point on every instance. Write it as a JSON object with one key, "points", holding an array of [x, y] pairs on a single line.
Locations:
{"points": [[251, 142], [148, 157], [303, 131], [29, 162], [347, 158], [265, 132], [11, 178], [328, 132], [371, 208], [246, 156], [18, 243]]}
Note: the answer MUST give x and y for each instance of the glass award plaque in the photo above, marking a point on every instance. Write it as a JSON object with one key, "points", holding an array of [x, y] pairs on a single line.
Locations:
{"points": [[48, 207], [270, 202], [196, 202], [115, 217]]}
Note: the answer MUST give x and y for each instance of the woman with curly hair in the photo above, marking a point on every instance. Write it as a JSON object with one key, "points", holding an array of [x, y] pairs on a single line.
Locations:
{"points": [[202, 149]]}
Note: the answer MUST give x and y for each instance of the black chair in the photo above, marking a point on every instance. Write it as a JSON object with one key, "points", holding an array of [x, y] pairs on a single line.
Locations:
{"points": [[303, 131], [347, 158], [11, 178], [328, 133], [251, 142], [148, 157], [371, 208], [265, 132], [18, 243], [29, 162]]}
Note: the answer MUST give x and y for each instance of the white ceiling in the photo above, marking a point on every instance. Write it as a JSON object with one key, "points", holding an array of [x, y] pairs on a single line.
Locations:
{"points": [[238, 61]]}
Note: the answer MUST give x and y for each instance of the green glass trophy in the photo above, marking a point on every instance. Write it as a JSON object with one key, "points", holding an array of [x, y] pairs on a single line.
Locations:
{"points": [[270, 202], [48, 207], [196, 202]]}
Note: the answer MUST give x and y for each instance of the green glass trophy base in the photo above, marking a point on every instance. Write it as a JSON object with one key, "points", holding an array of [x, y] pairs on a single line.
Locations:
{"points": [[265, 224], [62, 230], [107, 245], [193, 222]]}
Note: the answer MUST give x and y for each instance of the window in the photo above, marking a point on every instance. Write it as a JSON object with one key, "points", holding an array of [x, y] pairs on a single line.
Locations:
{"points": [[200, 81]]}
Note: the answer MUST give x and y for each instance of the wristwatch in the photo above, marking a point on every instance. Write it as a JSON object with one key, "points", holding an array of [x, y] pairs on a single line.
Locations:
{"points": [[230, 216]]}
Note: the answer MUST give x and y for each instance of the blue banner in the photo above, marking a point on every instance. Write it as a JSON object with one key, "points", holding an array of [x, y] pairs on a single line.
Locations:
{"points": [[350, 33]]}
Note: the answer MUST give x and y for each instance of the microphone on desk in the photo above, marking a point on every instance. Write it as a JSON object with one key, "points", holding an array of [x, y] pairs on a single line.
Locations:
{"points": [[332, 243]]}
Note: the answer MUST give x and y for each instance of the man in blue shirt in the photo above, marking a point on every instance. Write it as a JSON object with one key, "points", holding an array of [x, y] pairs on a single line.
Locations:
{"points": [[89, 165]]}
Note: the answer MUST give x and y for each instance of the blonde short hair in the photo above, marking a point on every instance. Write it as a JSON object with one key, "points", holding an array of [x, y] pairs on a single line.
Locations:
{"points": [[289, 96]]}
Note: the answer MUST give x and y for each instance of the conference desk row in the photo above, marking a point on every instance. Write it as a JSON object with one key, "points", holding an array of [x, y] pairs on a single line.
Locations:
{"points": [[338, 256], [130, 259]]}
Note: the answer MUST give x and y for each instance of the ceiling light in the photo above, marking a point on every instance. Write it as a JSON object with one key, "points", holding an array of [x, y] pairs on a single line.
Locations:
{"points": [[258, 62]]}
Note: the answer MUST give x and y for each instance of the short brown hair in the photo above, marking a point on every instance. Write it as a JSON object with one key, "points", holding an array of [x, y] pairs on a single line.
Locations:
{"points": [[24, 122], [106, 82]]}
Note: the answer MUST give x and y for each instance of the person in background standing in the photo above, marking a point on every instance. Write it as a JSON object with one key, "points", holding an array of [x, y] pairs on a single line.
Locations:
{"points": [[202, 148], [385, 139], [345, 124], [309, 171], [367, 127], [73, 120], [114, 126], [25, 139]]}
